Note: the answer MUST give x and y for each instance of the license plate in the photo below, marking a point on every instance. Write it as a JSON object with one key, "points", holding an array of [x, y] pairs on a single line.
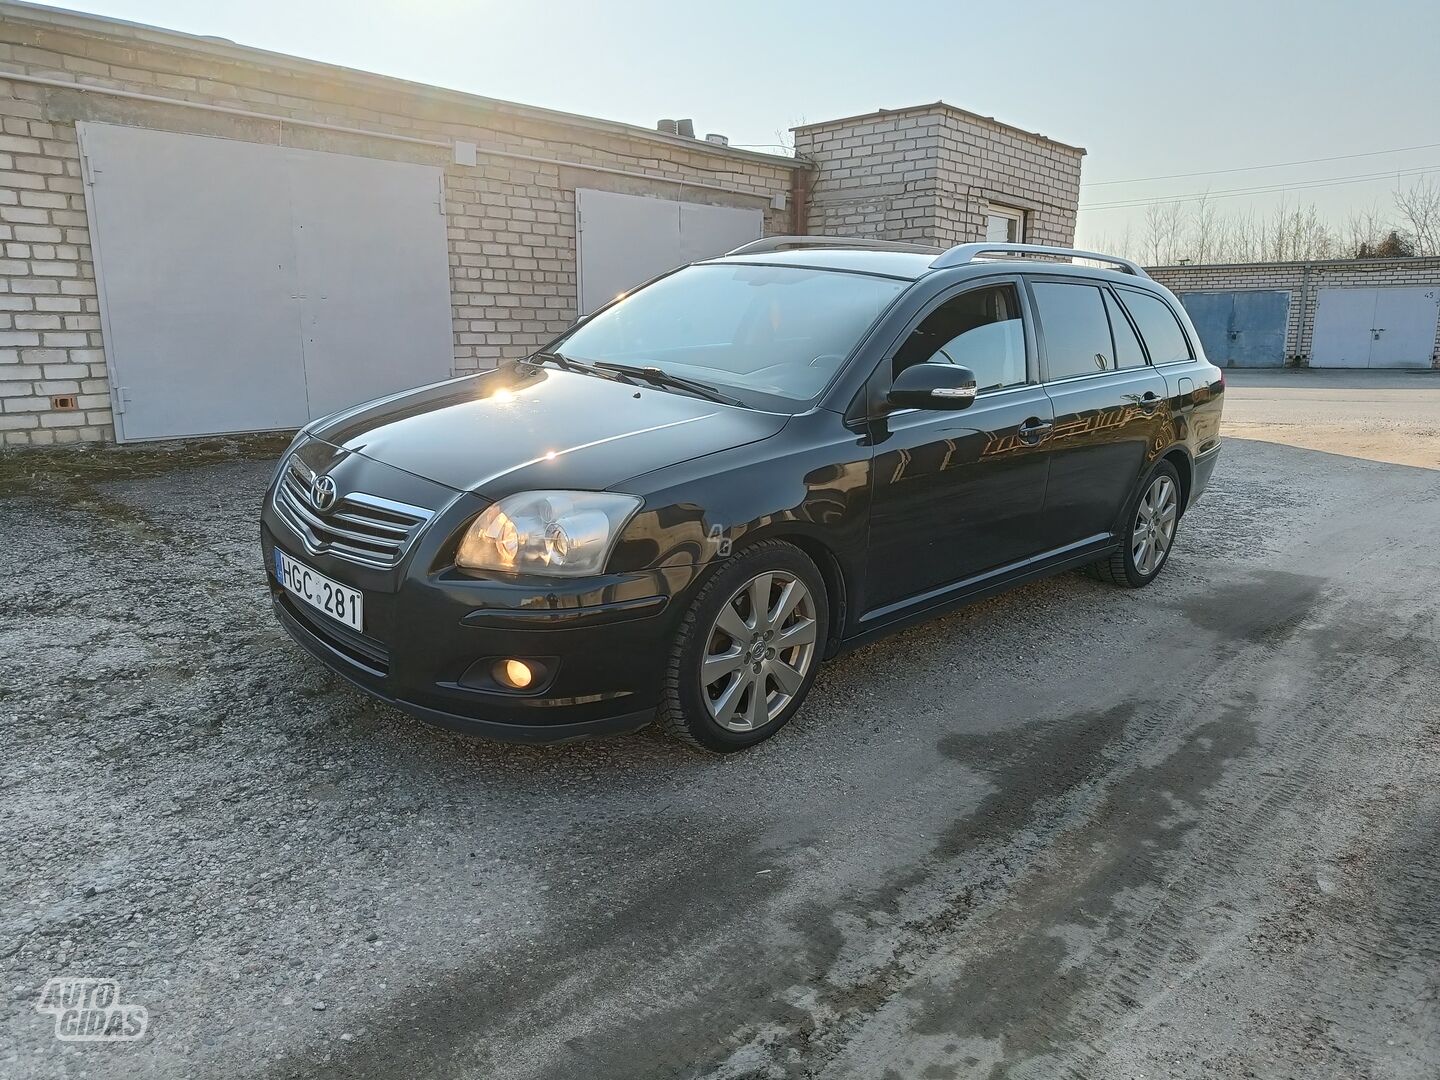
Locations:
{"points": [[340, 602]]}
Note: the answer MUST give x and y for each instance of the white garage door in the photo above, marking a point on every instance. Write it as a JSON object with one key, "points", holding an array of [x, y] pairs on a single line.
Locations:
{"points": [[1375, 328], [626, 239], [247, 287]]}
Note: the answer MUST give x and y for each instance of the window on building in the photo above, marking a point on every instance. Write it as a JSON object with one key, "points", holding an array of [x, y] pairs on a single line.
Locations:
{"points": [[1158, 326], [1128, 353], [1004, 225], [980, 329], [1077, 333]]}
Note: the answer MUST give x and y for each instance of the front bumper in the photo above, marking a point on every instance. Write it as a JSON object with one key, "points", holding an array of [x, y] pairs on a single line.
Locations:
{"points": [[431, 635]]}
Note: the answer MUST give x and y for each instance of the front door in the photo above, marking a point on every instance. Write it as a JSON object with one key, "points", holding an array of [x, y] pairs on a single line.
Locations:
{"points": [[957, 493]]}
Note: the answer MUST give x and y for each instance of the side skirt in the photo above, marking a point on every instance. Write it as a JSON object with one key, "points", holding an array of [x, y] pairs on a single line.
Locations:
{"points": [[882, 621]]}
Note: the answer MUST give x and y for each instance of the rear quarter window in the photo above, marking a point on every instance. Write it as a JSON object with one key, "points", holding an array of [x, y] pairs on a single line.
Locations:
{"points": [[1159, 327]]}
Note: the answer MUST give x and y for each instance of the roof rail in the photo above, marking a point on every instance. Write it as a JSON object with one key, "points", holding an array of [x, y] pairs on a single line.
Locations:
{"points": [[961, 254], [780, 243]]}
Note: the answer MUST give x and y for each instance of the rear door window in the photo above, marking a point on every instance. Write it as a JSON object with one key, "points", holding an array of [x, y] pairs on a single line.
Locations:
{"points": [[1163, 336], [1077, 331]]}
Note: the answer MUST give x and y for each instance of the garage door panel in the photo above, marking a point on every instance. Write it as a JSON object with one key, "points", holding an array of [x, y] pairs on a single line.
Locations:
{"points": [[375, 302], [1243, 328], [251, 287], [707, 231], [184, 346], [1258, 327], [1405, 320], [1210, 312], [624, 240], [1341, 336]]}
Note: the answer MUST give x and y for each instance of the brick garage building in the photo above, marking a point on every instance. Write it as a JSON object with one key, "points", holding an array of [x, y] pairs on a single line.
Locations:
{"points": [[938, 174], [133, 295], [1330, 313]]}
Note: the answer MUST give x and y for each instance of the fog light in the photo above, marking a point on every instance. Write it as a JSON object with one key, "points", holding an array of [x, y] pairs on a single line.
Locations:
{"points": [[516, 674]]}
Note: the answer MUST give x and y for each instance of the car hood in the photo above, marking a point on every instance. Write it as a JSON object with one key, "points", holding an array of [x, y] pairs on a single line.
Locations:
{"points": [[518, 429]]}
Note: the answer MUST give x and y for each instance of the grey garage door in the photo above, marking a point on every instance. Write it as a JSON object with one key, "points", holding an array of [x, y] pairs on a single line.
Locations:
{"points": [[627, 239], [1241, 329], [248, 287], [1375, 328]]}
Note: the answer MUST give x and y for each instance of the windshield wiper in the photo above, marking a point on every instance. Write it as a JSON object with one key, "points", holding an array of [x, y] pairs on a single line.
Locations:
{"points": [[567, 363], [559, 359], [660, 377]]}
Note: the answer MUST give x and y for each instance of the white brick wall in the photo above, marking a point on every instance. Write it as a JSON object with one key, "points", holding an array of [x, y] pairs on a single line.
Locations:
{"points": [[511, 224], [1303, 281], [928, 174], [49, 317]]}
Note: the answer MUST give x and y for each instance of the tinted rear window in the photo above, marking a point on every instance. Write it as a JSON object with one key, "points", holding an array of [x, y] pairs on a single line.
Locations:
{"points": [[1158, 326], [1077, 333]]}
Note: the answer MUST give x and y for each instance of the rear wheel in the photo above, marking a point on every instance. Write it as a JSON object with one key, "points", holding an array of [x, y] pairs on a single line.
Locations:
{"points": [[748, 650], [1154, 521]]}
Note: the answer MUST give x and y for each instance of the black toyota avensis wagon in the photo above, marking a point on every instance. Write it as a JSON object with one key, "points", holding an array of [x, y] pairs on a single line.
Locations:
{"points": [[684, 503]]}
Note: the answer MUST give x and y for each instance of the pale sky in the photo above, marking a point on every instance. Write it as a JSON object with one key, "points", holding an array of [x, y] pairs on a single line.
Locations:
{"points": [[1149, 88]]}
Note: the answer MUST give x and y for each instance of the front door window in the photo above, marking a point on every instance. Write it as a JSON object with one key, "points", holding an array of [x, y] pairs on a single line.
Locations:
{"points": [[980, 330]]}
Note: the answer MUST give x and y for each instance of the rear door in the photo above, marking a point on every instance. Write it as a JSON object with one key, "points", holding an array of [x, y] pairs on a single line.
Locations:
{"points": [[1109, 406]]}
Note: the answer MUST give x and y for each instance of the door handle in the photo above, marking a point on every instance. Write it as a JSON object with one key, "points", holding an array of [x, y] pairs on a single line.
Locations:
{"points": [[1146, 401], [1034, 429]]}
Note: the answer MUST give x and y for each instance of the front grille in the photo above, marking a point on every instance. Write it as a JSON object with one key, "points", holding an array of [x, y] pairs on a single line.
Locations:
{"points": [[362, 528], [360, 649]]}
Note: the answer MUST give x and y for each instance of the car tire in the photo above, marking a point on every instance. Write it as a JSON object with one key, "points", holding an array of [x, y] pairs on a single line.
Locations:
{"points": [[763, 666], [1152, 523]]}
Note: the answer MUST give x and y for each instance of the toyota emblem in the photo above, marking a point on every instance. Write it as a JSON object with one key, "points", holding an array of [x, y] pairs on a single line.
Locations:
{"points": [[322, 492]]}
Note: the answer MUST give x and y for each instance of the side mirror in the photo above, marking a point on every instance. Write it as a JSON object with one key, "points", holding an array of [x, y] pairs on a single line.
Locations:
{"points": [[933, 386]]}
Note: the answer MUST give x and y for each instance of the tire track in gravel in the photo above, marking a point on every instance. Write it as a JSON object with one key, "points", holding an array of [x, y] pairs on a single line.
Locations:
{"points": [[1160, 954], [1287, 635], [1076, 762]]}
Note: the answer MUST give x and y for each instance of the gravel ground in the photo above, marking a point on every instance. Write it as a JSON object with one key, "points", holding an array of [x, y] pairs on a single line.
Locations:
{"points": [[1074, 831]]}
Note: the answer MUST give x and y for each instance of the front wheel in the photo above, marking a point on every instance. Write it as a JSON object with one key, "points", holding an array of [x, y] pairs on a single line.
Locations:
{"points": [[1153, 522], [748, 649]]}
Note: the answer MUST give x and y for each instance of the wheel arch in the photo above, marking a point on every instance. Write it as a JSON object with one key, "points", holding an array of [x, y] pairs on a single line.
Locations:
{"points": [[832, 573], [1179, 457]]}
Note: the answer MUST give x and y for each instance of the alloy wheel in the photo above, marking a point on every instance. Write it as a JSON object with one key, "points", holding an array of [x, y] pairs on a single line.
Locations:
{"points": [[1155, 523], [759, 651]]}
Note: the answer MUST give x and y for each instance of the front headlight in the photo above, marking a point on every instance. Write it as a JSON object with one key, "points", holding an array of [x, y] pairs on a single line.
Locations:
{"points": [[553, 533]]}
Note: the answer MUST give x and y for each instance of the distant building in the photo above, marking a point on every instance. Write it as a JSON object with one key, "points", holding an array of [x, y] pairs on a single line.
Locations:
{"points": [[1346, 313]]}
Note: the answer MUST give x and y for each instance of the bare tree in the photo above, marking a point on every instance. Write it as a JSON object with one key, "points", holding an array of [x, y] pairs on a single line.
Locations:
{"points": [[1205, 226], [1200, 231], [1164, 232], [1363, 229], [1419, 210]]}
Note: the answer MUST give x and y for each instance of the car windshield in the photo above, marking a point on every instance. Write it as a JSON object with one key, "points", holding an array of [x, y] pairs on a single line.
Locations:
{"points": [[780, 331]]}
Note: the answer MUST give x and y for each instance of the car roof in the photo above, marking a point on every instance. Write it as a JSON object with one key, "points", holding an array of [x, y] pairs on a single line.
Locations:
{"points": [[913, 265]]}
